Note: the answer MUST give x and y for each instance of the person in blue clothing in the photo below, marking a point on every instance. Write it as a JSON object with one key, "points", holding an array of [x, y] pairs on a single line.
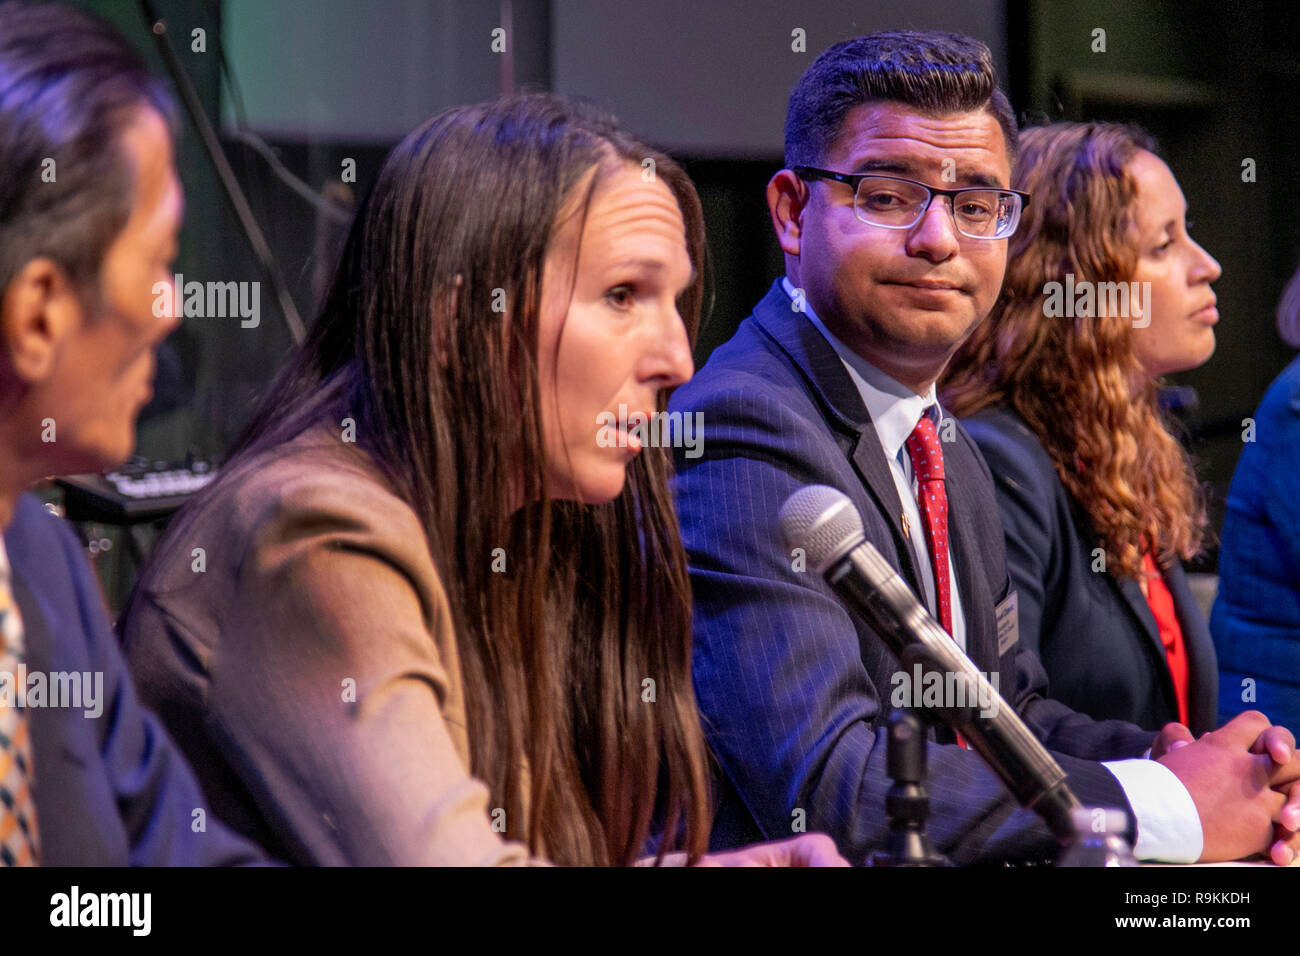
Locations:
{"points": [[1256, 616], [831, 381], [90, 207]]}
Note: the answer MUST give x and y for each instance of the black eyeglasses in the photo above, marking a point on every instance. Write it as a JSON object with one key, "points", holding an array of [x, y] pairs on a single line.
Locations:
{"points": [[895, 203]]}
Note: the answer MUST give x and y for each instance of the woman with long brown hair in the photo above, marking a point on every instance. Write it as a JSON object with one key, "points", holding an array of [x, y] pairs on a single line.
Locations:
{"points": [[1105, 292], [434, 610]]}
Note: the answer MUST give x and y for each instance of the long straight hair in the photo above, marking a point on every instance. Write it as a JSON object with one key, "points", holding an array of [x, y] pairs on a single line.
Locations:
{"points": [[428, 337]]}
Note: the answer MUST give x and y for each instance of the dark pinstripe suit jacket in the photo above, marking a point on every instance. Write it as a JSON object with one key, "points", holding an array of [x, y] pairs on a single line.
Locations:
{"points": [[793, 691]]}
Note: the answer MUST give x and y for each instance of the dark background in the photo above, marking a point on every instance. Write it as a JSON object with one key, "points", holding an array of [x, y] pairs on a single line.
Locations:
{"points": [[325, 80]]}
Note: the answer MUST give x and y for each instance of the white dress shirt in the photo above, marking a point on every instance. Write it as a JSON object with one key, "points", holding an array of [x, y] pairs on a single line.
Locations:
{"points": [[1168, 825]]}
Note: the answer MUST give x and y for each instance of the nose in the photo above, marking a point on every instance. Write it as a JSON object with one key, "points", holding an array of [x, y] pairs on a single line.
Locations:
{"points": [[1207, 268], [667, 361], [934, 236]]}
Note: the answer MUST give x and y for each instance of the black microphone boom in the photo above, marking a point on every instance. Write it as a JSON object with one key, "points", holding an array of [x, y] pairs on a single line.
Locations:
{"points": [[823, 522]]}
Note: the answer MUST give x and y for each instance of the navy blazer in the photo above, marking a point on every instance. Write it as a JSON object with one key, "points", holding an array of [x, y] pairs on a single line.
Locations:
{"points": [[112, 789], [793, 691], [1094, 633]]}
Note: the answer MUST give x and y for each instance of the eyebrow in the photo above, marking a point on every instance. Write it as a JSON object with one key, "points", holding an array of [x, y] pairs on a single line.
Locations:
{"points": [[910, 170], [650, 265], [1172, 223]]}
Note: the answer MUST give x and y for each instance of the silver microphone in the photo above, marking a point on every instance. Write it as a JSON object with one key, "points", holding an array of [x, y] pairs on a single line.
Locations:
{"points": [[823, 522]]}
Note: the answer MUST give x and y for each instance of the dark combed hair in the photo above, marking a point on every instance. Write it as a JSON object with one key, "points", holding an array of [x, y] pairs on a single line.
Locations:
{"points": [[445, 393], [69, 86], [931, 72]]}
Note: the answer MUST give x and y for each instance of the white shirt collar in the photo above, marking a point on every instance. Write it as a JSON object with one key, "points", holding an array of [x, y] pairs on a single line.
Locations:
{"points": [[894, 408]]}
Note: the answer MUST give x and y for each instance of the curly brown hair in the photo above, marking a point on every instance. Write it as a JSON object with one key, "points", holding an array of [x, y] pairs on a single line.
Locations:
{"points": [[1077, 382]]}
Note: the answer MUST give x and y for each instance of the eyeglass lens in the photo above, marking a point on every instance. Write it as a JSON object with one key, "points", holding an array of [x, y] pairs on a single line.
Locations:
{"points": [[980, 213]]}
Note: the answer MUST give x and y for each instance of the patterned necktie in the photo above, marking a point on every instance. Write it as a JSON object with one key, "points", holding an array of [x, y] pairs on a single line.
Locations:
{"points": [[927, 465], [19, 839]]}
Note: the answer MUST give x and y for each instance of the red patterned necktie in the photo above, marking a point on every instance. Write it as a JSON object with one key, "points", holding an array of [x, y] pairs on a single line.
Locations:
{"points": [[19, 841], [927, 465]]}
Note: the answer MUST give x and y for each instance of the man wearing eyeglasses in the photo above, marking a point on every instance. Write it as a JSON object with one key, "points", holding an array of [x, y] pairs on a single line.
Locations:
{"points": [[893, 213]]}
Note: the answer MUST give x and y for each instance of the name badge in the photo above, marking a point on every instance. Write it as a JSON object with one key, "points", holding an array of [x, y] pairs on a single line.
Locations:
{"points": [[1008, 623]]}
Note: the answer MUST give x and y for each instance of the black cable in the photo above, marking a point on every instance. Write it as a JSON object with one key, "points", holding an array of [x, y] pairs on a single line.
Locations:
{"points": [[212, 145]]}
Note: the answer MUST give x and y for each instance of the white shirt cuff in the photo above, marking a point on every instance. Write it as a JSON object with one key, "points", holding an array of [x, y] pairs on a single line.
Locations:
{"points": [[1168, 826]]}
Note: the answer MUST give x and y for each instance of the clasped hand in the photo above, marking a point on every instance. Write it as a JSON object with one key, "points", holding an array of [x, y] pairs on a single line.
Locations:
{"points": [[1245, 781]]}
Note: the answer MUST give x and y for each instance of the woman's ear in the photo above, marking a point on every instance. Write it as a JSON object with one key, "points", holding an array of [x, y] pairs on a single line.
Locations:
{"points": [[39, 309], [787, 197]]}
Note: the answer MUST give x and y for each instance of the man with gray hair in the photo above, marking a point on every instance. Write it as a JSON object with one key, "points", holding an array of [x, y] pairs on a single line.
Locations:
{"points": [[90, 207]]}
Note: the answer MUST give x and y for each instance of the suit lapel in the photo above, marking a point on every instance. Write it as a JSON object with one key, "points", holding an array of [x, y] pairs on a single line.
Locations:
{"points": [[1202, 662], [1137, 603], [964, 543], [1131, 592], [869, 461], [55, 736], [829, 382], [38, 624]]}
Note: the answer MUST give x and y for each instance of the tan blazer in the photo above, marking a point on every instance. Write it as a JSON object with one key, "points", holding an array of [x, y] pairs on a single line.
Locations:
{"points": [[293, 634]]}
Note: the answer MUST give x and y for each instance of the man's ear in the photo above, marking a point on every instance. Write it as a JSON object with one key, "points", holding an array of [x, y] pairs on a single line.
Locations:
{"points": [[787, 198], [38, 311]]}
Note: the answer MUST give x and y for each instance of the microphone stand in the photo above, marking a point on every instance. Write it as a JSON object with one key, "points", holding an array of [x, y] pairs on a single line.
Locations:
{"points": [[908, 801]]}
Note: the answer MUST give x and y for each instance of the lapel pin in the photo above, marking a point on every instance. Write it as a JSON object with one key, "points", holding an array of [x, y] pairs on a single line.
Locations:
{"points": [[906, 530]]}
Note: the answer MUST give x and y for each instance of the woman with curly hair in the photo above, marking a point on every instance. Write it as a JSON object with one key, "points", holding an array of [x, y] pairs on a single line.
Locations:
{"points": [[1105, 292]]}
